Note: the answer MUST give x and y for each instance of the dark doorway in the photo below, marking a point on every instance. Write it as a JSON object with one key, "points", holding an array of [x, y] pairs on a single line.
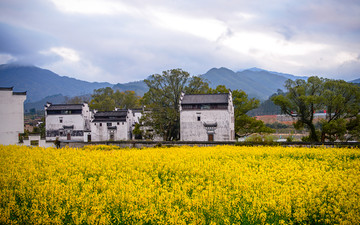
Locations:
{"points": [[68, 136], [210, 137], [89, 137]]}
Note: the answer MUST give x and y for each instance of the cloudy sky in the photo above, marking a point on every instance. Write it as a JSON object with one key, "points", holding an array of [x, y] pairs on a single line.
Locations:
{"points": [[120, 41]]}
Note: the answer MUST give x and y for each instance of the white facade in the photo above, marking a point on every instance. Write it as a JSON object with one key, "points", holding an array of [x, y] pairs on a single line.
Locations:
{"points": [[36, 140], [112, 126], [208, 117], [67, 121], [11, 115]]}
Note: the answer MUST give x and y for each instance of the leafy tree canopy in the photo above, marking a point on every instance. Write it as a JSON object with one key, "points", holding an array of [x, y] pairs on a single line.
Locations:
{"points": [[340, 100], [244, 124], [106, 99], [163, 100]]}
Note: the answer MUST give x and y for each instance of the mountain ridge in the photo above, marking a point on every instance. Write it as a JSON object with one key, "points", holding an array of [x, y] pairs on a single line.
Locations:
{"points": [[41, 84]]}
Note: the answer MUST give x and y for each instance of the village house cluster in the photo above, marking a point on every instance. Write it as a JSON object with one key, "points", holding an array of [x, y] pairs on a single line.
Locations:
{"points": [[203, 117]]}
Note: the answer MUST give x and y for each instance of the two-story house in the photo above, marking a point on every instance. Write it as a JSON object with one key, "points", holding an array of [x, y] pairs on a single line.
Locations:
{"points": [[112, 125], [67, 121], [207, 117]]}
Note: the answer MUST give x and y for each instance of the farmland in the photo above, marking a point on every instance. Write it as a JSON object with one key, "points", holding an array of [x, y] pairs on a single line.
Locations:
{"points": [[179, 185]]}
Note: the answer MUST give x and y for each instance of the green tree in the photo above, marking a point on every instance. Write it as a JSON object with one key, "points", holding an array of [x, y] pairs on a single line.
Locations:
{"points": [[197, 85], [353, 128], [105, 99], [163, 100], [301, 101], [341, 101], [244, 124], [126, 100], [76, 99]]}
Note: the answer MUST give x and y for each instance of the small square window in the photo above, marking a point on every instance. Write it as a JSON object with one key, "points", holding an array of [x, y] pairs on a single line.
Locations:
{"points": [[198, 118], [109, 124], [60, 119], [100, 124], [118, 123]]}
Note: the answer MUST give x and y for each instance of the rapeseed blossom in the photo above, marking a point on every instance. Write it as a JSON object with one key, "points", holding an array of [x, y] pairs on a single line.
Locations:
{"points": [[179, 185]]}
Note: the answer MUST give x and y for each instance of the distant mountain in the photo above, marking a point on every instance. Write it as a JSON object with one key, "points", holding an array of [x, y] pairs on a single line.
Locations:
{"points": [[39, 105], [139, 87], [286, 75], [355, 81], [256, 83], [43, 85], [40, 83]]}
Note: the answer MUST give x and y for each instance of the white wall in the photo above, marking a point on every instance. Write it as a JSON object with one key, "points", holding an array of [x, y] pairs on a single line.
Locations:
{"points": [[41, 142], [81, 122], [53, 123], [193, 130], [11, 117], [102, 133]]}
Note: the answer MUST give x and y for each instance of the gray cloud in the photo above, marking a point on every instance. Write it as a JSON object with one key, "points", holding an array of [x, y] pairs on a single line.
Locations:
{"points": [[131, 40]]}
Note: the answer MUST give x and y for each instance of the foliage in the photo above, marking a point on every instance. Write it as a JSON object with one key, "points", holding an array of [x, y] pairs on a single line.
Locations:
{"points": [[244, 124], [179, 185], [105, 99], [301, 101], [137, 131], [163, 100], [277, 125], [290, 138], [340, 100], [334, 130], [77, 99], [353, 127]]}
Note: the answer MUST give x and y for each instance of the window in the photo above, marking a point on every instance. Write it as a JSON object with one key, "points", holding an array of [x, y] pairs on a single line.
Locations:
{"points": [[100, 124], [118, 123], [109, 124], [205, 106], [60, 119], [198, 118]]}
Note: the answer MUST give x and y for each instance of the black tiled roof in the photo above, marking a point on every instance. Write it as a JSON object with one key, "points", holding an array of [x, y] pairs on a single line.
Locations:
{"points": [[6, 88], [111, 116], [11, 89], [19, 93], [205, 99], [65, 107]]}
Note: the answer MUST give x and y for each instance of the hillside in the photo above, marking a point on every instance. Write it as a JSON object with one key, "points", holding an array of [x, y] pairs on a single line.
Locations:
{"points": [[40, 83], [357, 81], [259, 84]]}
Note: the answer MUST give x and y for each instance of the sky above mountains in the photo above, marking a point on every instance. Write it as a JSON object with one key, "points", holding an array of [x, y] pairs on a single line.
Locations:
{"points": [[120, 41]]}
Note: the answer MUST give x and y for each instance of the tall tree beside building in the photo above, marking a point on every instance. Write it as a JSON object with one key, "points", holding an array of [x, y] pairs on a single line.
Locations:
{"points": [[244, 124], [163, 100]]}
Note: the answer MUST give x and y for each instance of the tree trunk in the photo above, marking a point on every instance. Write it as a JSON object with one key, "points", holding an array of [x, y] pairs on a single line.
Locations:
{"points": [[313, 135]]}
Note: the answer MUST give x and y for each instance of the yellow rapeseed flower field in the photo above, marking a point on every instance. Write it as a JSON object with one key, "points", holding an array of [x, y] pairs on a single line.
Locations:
{"points": [[179, 185]]}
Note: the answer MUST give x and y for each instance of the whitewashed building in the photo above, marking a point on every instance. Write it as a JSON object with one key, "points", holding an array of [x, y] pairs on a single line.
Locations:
{"points": [[207, 117], [112, 125], [67, 121], [11, 115]]}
